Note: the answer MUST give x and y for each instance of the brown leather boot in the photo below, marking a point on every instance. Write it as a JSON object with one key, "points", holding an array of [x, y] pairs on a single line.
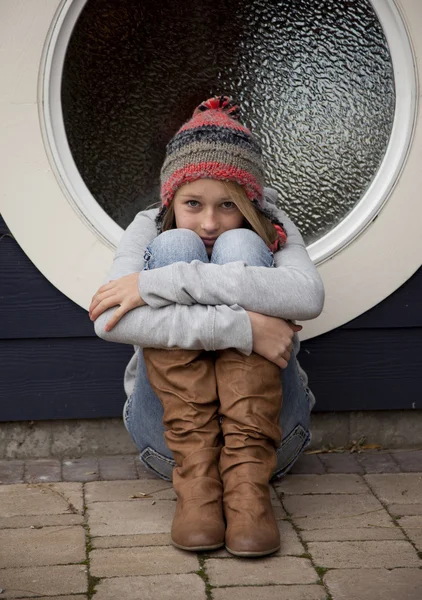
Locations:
{"points": [[250, 393], [184, 381]]}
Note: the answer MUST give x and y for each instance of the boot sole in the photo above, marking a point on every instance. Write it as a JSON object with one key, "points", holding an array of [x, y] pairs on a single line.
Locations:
{"points": [[198, 548], [252, 554]]}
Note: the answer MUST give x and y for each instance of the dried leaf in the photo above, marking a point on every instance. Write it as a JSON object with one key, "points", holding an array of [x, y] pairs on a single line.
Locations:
{"points": [[141, 495]]}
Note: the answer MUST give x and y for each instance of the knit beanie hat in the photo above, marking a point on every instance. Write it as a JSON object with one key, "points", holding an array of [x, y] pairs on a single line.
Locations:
{"points": [[214, 145]]}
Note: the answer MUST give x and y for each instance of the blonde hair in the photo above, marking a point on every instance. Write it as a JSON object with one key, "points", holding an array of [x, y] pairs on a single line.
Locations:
{"points": [[256, 220]]}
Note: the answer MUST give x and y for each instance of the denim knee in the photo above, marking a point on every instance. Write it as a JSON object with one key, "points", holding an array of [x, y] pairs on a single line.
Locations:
{"points": [[175, 245], [244, 245]]}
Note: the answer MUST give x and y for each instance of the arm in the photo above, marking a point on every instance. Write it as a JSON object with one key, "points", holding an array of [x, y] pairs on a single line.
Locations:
{"points": [[129, 257], [203, 327], [293, 290], [190, 327]]}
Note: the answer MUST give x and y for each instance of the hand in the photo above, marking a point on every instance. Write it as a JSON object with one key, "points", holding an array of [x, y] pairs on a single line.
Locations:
{"points": [[121, 292], [272, 337]]}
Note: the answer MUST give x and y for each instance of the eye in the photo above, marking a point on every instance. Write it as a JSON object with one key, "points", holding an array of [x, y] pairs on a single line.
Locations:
{"points": [[228, 204], [193, 203]]}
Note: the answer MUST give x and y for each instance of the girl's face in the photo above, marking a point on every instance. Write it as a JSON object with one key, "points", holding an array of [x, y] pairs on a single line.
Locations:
{"points": [[205, 207]]}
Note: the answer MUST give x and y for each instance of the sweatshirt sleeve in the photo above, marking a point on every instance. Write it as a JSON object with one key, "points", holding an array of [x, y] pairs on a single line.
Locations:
{"points": [[292, 290], [129, 257], [191, 327]]}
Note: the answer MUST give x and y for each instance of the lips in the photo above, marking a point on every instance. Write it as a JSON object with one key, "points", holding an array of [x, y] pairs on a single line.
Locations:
{"points": [[208, 241]]}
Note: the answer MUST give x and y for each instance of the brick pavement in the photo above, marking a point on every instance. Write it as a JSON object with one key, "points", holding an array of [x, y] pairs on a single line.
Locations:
{"points": [[351, 528]]}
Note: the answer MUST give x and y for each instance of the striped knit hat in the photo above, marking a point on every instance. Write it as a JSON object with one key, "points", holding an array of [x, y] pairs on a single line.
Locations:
{"points": [[213, 145]]}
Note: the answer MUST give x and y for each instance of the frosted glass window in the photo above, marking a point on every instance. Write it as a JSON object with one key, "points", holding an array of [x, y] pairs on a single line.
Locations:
{"points": [[314, 81]]}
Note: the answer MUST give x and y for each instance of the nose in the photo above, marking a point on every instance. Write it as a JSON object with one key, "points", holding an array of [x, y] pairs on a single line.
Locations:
{"points": [[209, 222]]}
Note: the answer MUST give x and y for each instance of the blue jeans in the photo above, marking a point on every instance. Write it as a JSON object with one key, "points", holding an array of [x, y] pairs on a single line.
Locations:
{"points": [[143, 412]]}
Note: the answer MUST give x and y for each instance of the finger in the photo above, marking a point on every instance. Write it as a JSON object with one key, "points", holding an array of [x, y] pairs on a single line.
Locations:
{"points": [[95, 301], [104, 305], [282, 363], [101, 306], [117, 315]]}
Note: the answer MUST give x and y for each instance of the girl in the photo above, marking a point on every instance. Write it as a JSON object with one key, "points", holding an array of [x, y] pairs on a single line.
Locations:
{"points": [[208, 286]]}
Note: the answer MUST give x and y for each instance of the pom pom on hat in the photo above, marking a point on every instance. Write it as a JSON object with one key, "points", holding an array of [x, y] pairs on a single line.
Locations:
{"points": [[224, 103]]}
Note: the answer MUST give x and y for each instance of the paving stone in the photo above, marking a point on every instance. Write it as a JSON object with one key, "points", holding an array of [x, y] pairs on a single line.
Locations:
{"points": [[336, 511], [364, 555], [153, 560], [38, 581], [40, 521], [130, 541], [290, 541], [377, 463], [278, 509], [374, 584], [43, 470], [342, 534], [81, 469], [40, 499], [46, 546], [117, 467], [275, 500], [409, 461], [11, 471], [154, 587], [286, 570], [126, 518], [341, 463], [307, 464], [400, 488], [279, 512], [72, 597], [399, 510], [274, 592], [144, 472], [112, 491], [323, 484], [413, 527]]}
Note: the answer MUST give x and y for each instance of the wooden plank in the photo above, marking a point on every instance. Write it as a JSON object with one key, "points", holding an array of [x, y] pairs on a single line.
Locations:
{"points": [[78, 378], [70, 378], [367, 369]]}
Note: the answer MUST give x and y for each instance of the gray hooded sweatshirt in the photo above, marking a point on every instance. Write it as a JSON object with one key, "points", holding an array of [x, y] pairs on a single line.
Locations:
{"points": [[203, 306]]}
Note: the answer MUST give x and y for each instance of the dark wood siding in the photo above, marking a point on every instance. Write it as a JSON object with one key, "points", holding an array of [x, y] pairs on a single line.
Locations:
{"points": [[52, 366]]}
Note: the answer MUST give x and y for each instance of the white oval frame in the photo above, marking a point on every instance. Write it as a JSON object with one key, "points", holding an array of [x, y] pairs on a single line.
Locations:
{"points": [[52, 198]]}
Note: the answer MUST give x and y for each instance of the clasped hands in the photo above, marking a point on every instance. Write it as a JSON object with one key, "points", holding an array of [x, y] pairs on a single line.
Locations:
{"points": [[272, 336]]}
